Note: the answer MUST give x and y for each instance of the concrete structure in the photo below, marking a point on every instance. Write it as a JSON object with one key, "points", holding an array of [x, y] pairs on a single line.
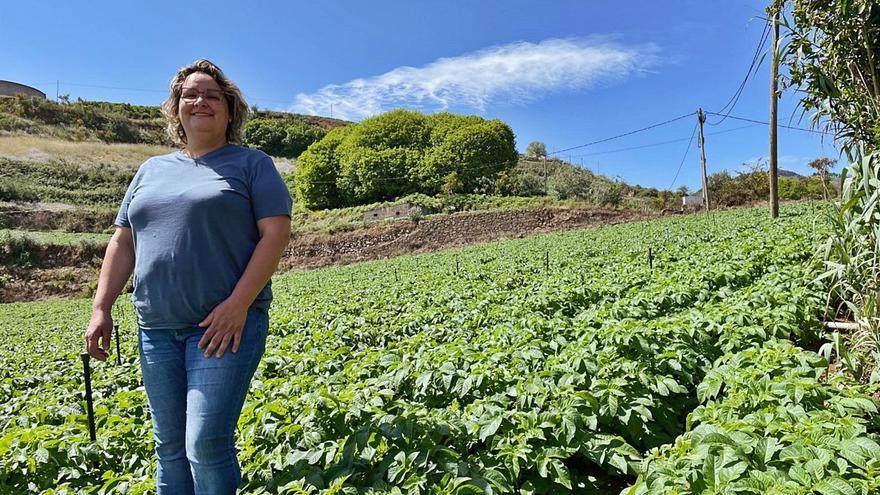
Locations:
{"points": [[9, 88], [402, 210]]}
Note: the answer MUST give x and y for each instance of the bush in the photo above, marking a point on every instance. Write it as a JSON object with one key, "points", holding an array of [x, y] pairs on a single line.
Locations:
{"points": [[606, 193], [110, 122], [792, 188], [278, 137], [665, 200], [10, 191], [573, 183], [21, 251], [13, 123], [536, 149], [317, 170], [402, 152]]}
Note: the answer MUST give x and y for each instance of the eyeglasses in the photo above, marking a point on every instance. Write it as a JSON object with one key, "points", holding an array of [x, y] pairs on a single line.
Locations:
{"points": [[190, 95]]}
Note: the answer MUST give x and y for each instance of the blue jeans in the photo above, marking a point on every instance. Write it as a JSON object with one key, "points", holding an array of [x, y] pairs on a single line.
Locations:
{"points": [[195, 403]]}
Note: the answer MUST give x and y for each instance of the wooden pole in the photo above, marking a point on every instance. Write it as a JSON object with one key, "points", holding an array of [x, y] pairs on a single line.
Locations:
{"points": [[774, 99], [545, 174], [701, 117]]}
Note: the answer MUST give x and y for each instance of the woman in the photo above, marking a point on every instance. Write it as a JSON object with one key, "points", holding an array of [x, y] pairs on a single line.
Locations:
{"points": [[203, 229]]}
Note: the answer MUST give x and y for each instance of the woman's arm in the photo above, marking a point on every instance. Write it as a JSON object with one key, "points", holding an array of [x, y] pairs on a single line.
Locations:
{"points": [[116, 268], [226, 321]]}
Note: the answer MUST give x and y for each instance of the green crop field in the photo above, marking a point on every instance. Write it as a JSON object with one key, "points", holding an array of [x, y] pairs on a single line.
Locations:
{"points": [[566, 363]]}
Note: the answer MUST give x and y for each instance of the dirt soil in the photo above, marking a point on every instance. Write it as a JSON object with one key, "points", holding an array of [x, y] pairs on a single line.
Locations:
{"points": [[71, 271], [402, 237]]}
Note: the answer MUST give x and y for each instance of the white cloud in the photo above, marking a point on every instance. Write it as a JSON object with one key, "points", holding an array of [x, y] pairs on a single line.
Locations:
{"points": [[517, 72]]}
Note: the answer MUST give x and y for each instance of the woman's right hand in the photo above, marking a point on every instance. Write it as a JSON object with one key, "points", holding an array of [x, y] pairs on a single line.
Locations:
{"points": [[98, 334], [116, 268]]}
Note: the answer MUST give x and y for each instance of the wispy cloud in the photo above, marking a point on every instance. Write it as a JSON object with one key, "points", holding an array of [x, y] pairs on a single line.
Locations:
{"points": [[516, 72]]}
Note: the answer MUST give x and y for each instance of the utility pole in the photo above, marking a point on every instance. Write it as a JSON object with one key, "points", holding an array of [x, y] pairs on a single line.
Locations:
{"points": [[57, 89], [774, 99], [544, 157], [701, 117]]}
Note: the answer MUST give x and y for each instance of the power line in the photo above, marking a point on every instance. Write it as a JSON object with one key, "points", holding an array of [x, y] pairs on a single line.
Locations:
{"points": [[767, 123], [478, 167], [148, 90], [752, 66], [661, 143], [624, 134], [686, 151], [143, 90]]}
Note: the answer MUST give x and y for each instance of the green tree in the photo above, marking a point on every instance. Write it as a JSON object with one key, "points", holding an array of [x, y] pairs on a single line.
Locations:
{"points": [[832, 58], [266, 135], [792, 188], [571, 182], [822, 166], [403, 152], [317, 170], [536, 149], [473, 151], [278, 137]]}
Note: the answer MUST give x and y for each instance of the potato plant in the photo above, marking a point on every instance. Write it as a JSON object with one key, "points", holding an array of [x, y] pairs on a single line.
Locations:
{"points": [[555, 364]]}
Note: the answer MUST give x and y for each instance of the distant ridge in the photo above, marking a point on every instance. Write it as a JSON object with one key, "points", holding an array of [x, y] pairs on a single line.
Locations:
{"points": [[788, 173]]}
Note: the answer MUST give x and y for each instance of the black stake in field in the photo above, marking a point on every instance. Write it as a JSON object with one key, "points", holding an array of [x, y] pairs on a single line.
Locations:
{"points": [[118, 353], [650, 260], [90, 410]]}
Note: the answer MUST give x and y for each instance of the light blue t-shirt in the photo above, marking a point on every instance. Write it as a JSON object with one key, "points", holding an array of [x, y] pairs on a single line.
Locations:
{"points": [[194, 224]]}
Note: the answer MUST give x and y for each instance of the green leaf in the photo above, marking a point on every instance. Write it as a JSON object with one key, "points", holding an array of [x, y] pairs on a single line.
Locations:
{"points": [[834, 486], [490, 428], [561, 475], [41, 455], [619, 462]]}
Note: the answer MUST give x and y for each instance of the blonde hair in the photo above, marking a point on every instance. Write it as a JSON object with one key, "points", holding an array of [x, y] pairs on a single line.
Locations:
{"points": [[238, 109]]}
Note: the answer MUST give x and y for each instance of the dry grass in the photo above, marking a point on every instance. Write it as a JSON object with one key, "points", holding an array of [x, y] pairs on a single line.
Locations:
{"points": [[86, 153], [45, 149]]}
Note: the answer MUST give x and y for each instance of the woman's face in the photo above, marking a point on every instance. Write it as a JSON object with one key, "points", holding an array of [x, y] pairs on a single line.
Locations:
{"points": [[203, 109]]}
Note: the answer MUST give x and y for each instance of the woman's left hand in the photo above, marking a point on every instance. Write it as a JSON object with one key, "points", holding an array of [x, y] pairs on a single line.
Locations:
{"points": [[225, 324]]}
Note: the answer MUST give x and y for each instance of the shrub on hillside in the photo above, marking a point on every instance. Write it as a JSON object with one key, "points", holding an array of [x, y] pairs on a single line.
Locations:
{"points": [[12, 123], [18, 250], [572, 183], [10, 191], [110, 122], [316, 171], [284, 138], [605, 193], [403, 152], [792, 188]]}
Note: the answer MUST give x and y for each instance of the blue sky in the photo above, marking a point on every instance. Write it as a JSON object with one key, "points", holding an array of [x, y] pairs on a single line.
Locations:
{"points": [[562, 72]]}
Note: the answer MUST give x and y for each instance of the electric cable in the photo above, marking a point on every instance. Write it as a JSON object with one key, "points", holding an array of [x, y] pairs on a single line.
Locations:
{"points": [[624, 134]]}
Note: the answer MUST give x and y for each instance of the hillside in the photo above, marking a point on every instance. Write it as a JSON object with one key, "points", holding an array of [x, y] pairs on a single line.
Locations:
{"points": [[64, 168]]}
